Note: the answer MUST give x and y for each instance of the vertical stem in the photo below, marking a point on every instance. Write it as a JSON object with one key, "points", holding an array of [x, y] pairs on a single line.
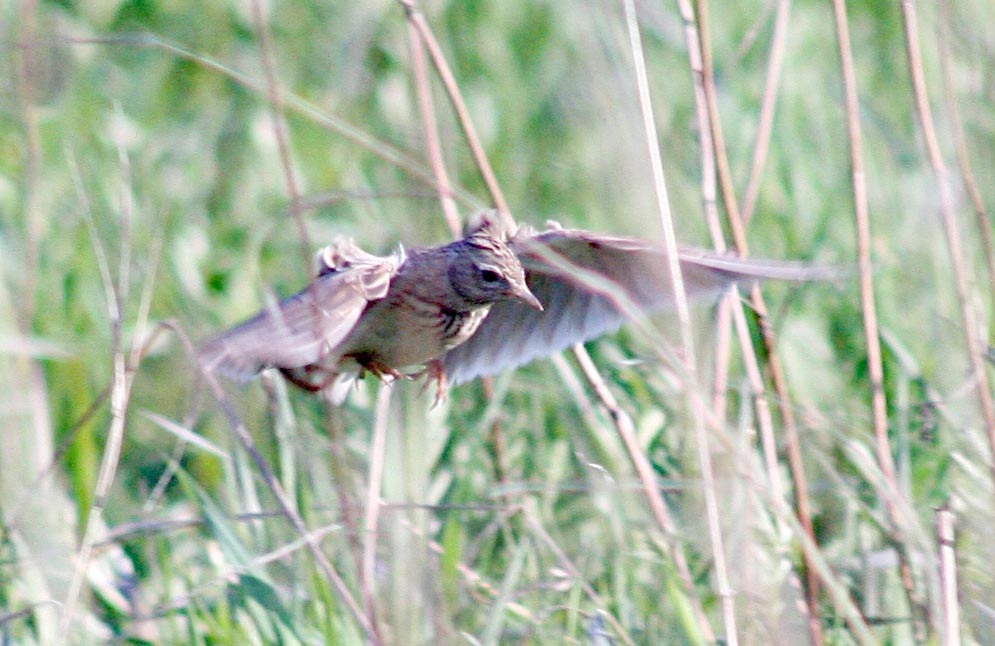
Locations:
{"points": [[947, 547], [456, 98], [972, 341], [714, 126], [714, 143], [430, 126], [684, 319], [371, 519], [273, 95], [766, 125], [26, 62], [120, 394], [647, 478], [982, 219], [879, 406]]}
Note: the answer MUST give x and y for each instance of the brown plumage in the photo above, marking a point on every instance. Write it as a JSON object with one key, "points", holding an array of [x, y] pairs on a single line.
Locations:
{"points": [[470, 308]]}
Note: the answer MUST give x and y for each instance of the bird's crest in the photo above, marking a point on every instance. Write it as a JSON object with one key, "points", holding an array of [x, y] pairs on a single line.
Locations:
{"points": [[491, 223]]}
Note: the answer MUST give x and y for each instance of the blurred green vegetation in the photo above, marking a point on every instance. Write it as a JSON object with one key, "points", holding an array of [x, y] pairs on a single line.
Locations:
{"points": [[139, 135]]}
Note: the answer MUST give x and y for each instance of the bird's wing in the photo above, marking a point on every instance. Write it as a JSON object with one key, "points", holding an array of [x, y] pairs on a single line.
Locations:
{"points": [[306, 327], [589, 285]]}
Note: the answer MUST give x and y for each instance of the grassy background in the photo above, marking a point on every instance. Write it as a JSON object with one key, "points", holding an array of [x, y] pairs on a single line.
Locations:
{"points": [[141, 181]]}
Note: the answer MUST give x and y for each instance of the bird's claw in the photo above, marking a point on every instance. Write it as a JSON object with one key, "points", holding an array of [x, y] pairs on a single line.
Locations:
{"points": [[312, 378], [435, 372], [380, 371]]}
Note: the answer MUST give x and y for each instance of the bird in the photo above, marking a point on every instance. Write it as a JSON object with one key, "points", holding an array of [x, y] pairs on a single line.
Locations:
{"points": [[494, 300]]}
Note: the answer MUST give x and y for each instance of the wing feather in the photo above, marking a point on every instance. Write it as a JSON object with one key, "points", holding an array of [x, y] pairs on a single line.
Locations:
{"points": [[590, 285], [304, 328]]}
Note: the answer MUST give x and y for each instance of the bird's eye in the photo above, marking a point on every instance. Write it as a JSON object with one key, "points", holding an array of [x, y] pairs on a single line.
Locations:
{"points": [[489, 275]]}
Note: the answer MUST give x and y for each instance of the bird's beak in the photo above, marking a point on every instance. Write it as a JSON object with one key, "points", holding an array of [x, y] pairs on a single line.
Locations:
{"points": [[522, 293]]}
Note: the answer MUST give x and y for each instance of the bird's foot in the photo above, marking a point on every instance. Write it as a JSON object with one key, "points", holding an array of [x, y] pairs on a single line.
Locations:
{"points": [[379, 370], [312, 378], [435, 372]]}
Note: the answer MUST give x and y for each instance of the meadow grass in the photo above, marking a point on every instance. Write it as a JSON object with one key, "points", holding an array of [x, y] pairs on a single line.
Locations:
{"points": [[813, 464]]}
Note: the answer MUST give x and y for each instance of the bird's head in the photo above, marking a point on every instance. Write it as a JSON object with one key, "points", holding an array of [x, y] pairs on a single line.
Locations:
{"points": [[484, 270]]}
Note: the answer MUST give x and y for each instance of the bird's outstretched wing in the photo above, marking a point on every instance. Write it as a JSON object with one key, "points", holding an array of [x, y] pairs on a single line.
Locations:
{"points": [[308, 326], [590, 284]]}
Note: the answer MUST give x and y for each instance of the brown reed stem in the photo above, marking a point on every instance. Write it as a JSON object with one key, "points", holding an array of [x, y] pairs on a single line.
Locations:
{"points": [[972, 340]]}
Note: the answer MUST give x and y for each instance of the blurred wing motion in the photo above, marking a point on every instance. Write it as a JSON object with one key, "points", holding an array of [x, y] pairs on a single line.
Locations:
{"points": [[589, 285], [308, 326]]}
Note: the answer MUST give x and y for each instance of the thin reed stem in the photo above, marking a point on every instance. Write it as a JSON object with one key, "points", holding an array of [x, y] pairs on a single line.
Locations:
{"points": [[431, 129], [687, 337], [459, 105], [972, 341]]}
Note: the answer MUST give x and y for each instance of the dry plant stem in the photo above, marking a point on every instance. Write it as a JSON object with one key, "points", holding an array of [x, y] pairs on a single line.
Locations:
{"points": [[644, 471], [124, 211], [947, 547], [709, 154], [472, 576], [371, 520], [120, 397], [963, 157], [130, 530], [687, 340], [708, 193], [139, 350], [767, 108], [288, 101], [701, 64], [708, 178], [714, 125], [720, 380], [835, 589], [14, 517], [26, 73], [764, 417], [273, 95], [456, 98], [776, 487], [283, 500], [120, 391], [430, 126], [571, 569], [869, 310], [727, 307], [434, 147], [975, 351], [338, 466], [124, 367], [723, 348], [792, 448], [875, 368], [713, 141], [285, 503]]}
